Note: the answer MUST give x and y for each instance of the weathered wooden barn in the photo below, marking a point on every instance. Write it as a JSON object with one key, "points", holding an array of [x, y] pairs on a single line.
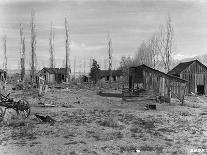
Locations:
{"points": [[159, 83], [53, 75], [195, 73]]}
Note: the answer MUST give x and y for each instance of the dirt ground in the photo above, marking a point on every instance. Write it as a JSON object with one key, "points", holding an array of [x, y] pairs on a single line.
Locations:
{"points": [[87, 123]]}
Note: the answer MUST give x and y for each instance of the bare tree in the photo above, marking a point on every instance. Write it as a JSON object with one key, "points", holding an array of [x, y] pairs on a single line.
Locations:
{"points": [[110, 58], [67, 66], [33, 46], [5, 62], [5, 53], [22, 53], [166, 44], [144, 55], [153, 43], [74, 69], [51, 47], [125, 63]]}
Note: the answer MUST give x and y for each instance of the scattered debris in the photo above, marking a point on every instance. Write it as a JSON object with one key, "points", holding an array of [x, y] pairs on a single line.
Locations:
{"points": [[45, 118], [46, 104], [67, 106], [150, 107]]}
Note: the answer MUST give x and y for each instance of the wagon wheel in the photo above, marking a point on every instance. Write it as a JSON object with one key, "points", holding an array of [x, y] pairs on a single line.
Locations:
{"points": [[23, 108]]}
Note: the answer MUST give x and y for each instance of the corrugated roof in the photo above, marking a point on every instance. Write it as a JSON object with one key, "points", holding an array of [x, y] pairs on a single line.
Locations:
{"points": [[181, 67]]}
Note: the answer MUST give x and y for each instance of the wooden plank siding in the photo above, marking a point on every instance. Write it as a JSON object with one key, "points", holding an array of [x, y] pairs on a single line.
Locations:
{"points": [[157, 82], [195, 74]]}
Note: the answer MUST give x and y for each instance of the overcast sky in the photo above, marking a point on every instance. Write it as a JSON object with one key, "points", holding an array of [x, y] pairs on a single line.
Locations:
{"points": [[129, 22]]}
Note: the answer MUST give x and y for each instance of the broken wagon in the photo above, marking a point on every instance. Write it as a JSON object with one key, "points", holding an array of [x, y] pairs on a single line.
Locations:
{"points": [[22, 106]]}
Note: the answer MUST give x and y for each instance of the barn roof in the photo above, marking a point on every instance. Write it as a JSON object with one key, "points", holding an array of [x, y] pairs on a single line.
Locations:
{"points": [[147, 68], [114, 73], [55, 70], [182, 66]]}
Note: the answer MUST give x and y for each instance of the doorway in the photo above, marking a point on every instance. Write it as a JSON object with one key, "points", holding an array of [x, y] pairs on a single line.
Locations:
{"points": [[200, 89]]}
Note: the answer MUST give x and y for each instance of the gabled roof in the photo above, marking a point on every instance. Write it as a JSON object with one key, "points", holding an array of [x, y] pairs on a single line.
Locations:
{"points": [[182, 66], [147, 68], [114, 73], [55, 70]]}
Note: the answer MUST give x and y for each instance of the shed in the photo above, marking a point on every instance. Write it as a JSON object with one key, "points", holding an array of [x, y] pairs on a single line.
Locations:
{"points": [[116, 74], [159, 83], [195, 73], [53, 75]]}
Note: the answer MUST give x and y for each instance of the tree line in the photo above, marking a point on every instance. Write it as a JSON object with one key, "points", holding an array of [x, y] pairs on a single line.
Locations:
{"points": [[33, 43], [156, 52]]}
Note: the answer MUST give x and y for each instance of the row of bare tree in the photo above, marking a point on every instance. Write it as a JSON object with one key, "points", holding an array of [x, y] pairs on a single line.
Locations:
{"points": [[33, 60], [157, 52]]}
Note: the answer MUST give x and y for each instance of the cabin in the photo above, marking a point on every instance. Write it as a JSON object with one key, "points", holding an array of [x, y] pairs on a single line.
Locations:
{"points": [[116, 75], [159, 84], [195, 73], [53, 75]]}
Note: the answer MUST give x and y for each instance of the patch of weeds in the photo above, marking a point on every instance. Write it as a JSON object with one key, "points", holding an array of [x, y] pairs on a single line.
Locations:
{"points": [[135, 129], [168, 143], [128, 148], [108, 123], [23, 134], [49, 132], [71, 143], [67, 106], [155, 133], [82, 142], [73, 153], [89, 152], [128, 118], [21, 143], [165, 130], [69, 135], [114, 135], [15, 124], [97, 137], [91, 132], [34, 143], [193, 105], [151, 148], [75, 142], [185, 113]]}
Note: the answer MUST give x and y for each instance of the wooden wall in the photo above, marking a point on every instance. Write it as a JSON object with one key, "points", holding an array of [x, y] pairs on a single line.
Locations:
{"points": [[160, 84], [195, 74]]}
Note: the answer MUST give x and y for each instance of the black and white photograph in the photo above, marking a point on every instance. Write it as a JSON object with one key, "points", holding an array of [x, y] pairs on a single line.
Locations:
{"points": [[103, 77]]}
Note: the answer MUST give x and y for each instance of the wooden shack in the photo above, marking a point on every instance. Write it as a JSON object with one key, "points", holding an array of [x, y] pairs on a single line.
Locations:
{"points": [[195, 73], [160, 84], [116, 75], [53, 75]]}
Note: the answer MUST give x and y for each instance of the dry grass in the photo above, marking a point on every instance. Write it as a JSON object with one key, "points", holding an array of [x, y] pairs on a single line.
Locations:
{"points": [[97, 127]]}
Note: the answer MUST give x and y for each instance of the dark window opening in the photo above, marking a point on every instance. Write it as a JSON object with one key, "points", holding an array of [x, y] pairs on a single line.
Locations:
{"points": [[114, 78], [200, 89], [107, 78]]}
